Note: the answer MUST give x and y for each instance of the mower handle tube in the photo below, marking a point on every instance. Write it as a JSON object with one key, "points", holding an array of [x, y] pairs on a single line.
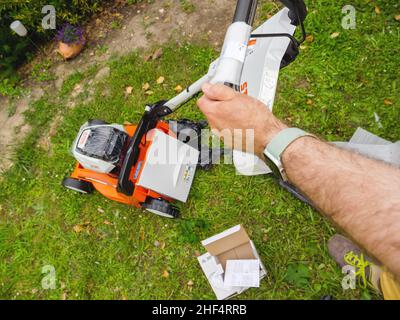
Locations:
{"points": [[244, 13], [188, 93], [243, 19], [233, 54]]}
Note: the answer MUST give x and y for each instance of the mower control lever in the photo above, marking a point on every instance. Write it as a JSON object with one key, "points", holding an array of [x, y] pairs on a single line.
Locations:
{"points": [[148, 122]]}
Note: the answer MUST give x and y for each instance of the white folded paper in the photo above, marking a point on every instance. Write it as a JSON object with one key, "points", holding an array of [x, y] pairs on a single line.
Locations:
{"points": [[242, 273], [373, 146]]}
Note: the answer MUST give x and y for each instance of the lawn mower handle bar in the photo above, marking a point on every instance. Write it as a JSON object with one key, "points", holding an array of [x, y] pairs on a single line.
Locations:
{"points": [[148, 122], [245, 12]]}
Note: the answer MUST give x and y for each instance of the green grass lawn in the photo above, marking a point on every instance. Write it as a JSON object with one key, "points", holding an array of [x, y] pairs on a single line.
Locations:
{"points": [[334, 87]]}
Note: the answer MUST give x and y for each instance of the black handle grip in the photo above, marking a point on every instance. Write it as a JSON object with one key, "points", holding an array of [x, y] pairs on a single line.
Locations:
{"points": [[245, 11]]}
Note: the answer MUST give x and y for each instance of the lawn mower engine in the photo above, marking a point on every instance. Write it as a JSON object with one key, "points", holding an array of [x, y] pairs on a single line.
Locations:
{"points": [[100, 147]]}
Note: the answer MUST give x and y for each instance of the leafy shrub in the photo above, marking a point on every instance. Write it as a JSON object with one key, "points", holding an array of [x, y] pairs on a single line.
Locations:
{"points": [[14, 49]]}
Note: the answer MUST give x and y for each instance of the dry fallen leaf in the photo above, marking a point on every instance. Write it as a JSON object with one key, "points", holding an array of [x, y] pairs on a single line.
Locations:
{"points": [[107, 222], [178, 88], [335, 35], [78, 228], [197, 253], [387, 102], [100, 210], [397, 17], [165, 274], [83, 227], [310, 102], [377, 10], [162, 245], [149, 93], [129, 90], [190, 285], [310, 38], [160, 80], [146, 86], [157, 54]]}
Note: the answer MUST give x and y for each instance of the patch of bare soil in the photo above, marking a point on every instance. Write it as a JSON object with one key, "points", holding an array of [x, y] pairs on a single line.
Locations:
{"points": [[117, 30]]}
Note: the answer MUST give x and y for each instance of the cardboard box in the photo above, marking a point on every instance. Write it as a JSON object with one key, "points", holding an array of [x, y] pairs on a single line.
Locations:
{"points": [[232, 244]]}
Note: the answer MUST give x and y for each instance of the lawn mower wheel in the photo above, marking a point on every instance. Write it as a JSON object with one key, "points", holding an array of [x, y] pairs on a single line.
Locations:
{"points": [[78, 185], [161, 208]]}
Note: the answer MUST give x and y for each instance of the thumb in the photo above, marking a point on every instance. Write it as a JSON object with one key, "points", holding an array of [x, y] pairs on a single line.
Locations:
{"points": [[218, 92]]}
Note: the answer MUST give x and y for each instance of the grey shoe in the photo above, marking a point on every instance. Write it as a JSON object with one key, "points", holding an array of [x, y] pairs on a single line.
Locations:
{"points": [[339, 246], [345, 253]]}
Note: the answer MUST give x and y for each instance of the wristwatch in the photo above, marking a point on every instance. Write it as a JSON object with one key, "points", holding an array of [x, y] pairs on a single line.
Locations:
{"points": [[278, 145]]}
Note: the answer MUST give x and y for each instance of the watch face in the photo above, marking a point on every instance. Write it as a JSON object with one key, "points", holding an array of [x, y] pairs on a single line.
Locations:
{"points": [[275, 165]]}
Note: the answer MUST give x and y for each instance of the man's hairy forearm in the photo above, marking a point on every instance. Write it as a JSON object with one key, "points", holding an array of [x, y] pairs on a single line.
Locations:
{"points": [[362, 196]]}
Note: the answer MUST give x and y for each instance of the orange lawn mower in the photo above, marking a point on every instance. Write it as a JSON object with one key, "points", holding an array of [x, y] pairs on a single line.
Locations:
{"points": [[118, 160], [114, 160]]}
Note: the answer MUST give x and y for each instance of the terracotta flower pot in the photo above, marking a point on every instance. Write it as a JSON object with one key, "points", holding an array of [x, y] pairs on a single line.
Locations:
{"points": [[69, 51]]}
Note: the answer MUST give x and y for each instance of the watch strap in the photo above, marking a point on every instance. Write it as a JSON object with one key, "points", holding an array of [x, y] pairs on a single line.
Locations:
{"points": [[278, 145], [283, 139]]}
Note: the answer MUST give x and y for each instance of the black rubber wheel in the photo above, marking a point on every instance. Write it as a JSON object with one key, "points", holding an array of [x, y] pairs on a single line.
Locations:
{"points": [[78, 185], [161, 208], [95, 122]]}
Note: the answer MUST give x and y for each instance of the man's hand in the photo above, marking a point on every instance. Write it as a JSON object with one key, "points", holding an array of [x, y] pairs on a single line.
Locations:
{"points": [[228, 110]]}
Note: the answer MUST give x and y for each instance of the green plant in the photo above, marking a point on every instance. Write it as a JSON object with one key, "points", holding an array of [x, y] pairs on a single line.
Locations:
{"points": [[191, 230], [70, 83], [14, 49], [41, 71], [116, 25], [187, 6], [101, 49], [298, 275], [130, 2], [8, 88]]}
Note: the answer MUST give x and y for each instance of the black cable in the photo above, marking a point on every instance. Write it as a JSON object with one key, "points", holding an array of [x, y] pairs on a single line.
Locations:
{"points": [[277, 35]]}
